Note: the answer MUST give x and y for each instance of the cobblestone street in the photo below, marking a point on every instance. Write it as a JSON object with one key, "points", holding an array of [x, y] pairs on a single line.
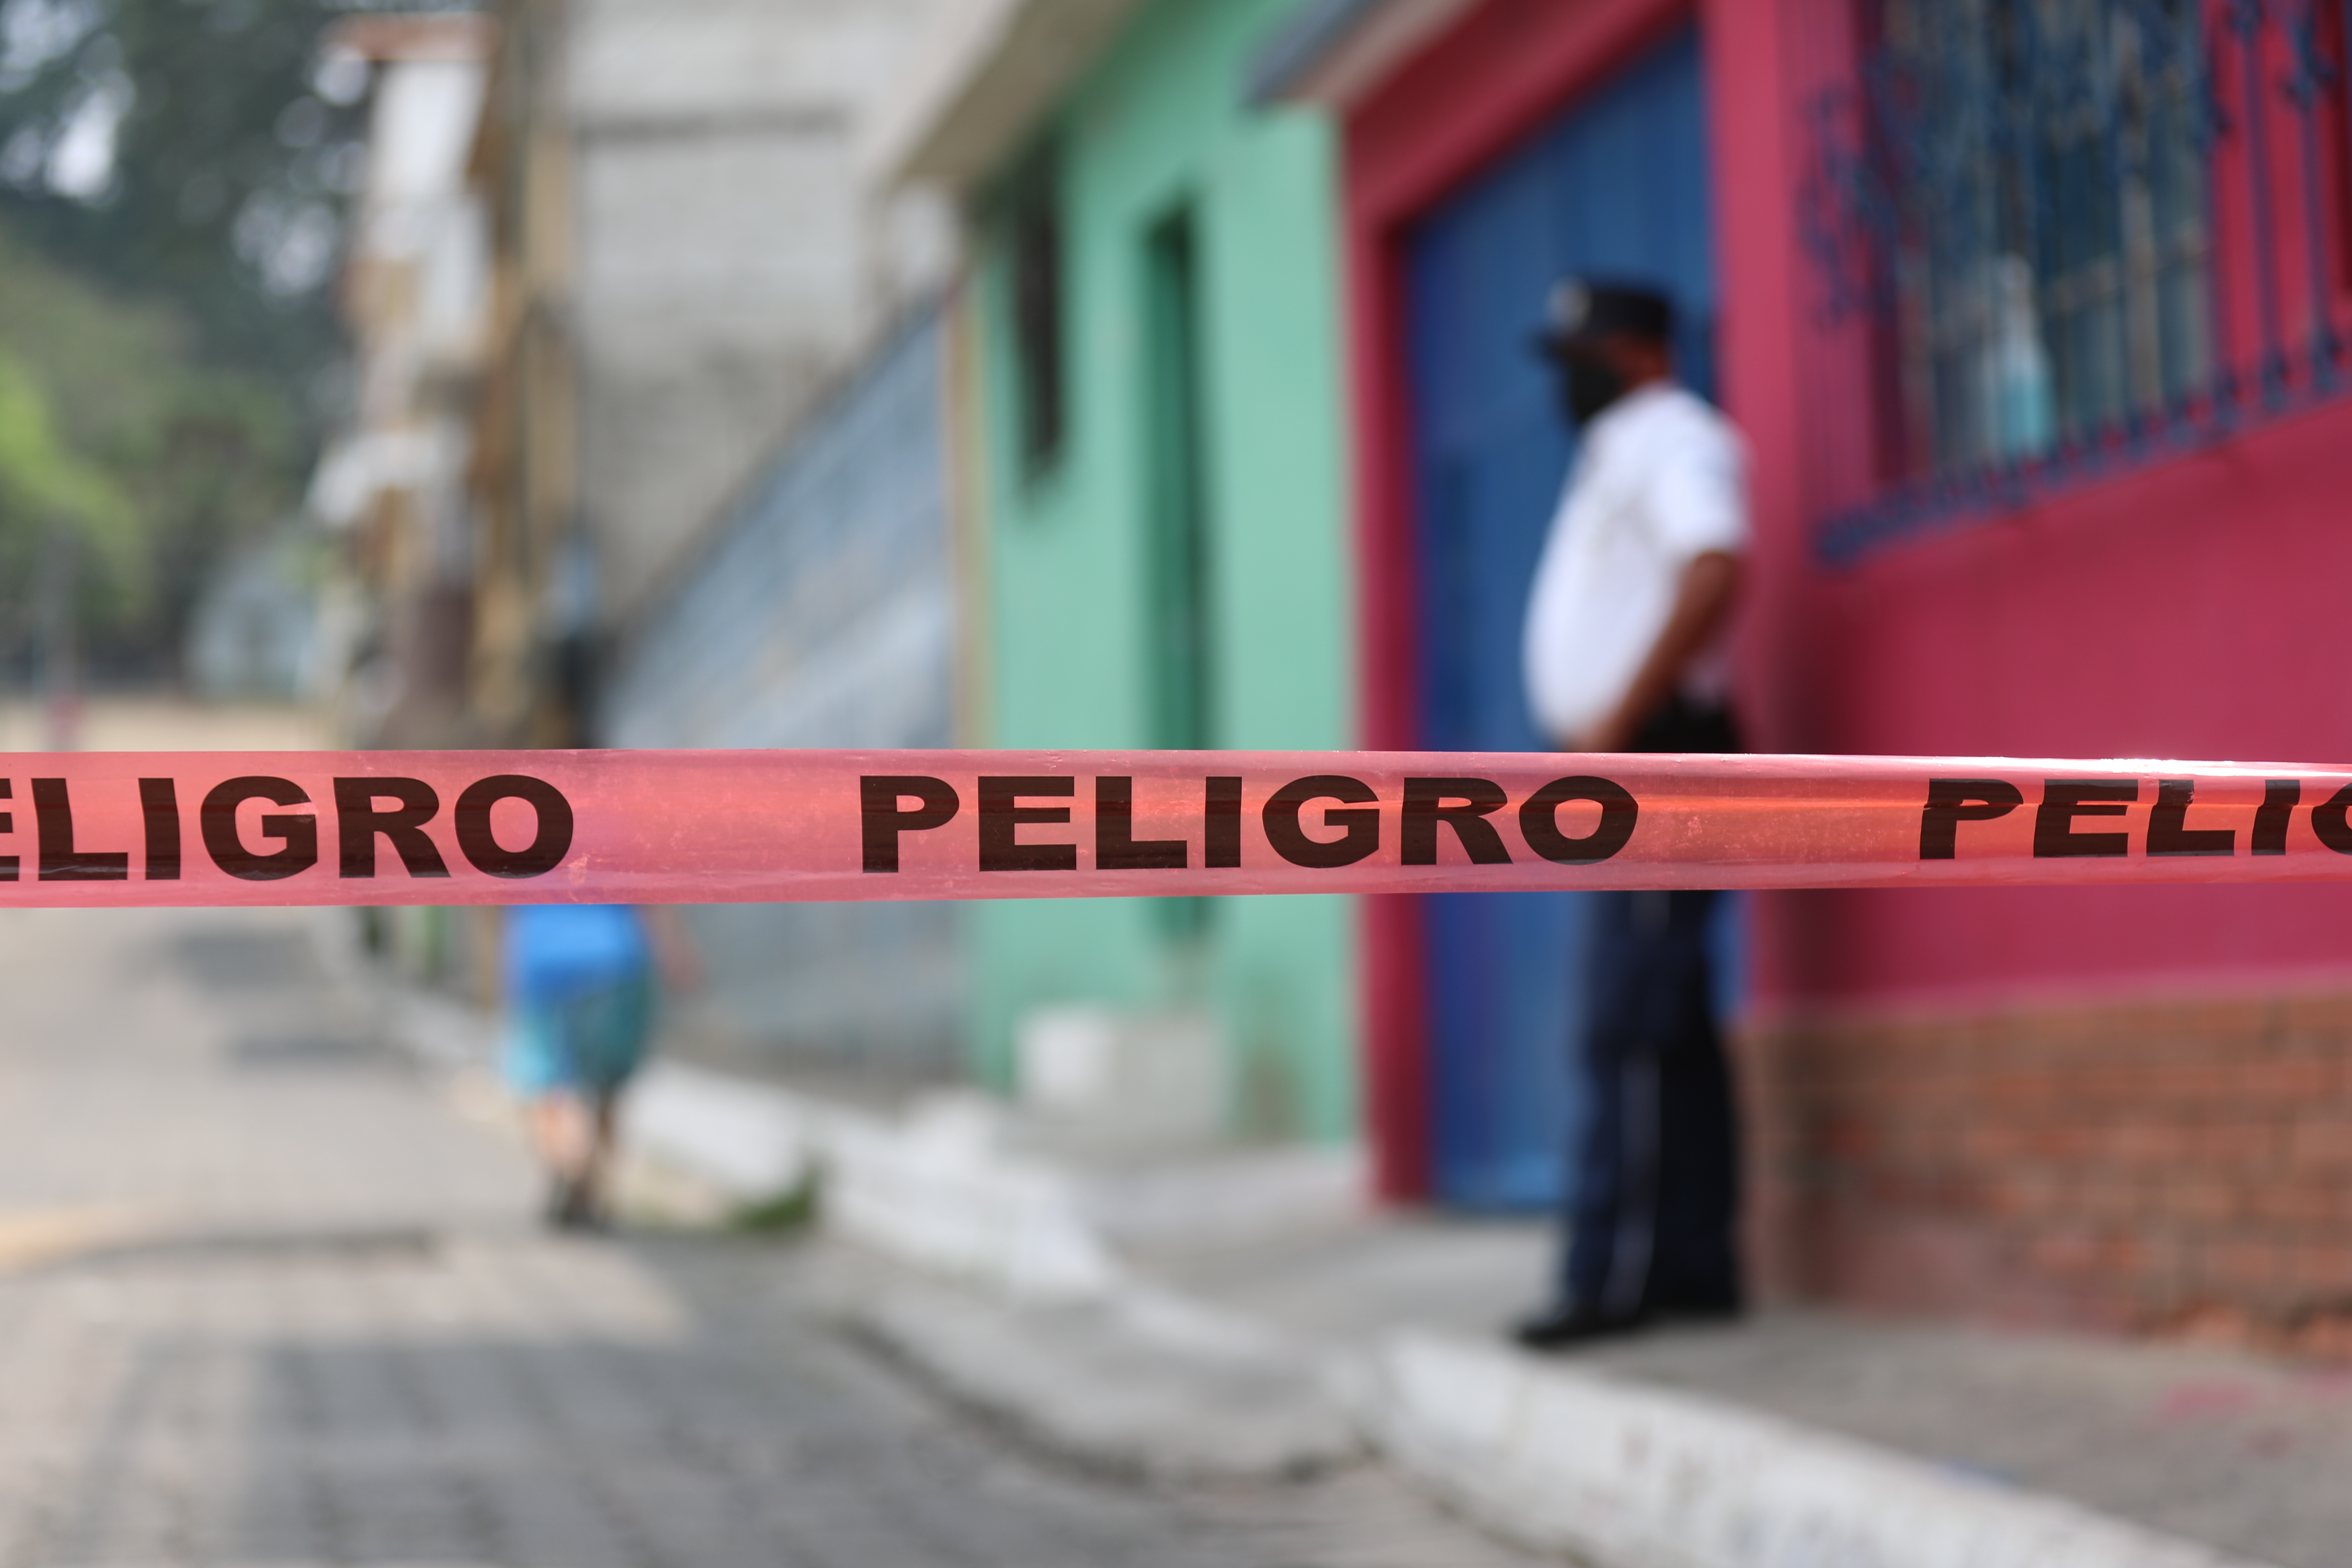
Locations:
{"points": [[266, 1299]]}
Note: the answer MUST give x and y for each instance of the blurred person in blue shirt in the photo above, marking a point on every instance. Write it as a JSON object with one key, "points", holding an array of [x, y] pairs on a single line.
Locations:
{"points": [[580, 997]]}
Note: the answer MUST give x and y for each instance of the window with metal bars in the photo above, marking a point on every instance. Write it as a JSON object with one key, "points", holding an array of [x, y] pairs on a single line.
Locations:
{"points": [[2089, 232]]}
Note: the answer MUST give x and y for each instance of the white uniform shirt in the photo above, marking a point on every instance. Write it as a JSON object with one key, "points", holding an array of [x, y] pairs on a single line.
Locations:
{"points": [[1660, 479]]}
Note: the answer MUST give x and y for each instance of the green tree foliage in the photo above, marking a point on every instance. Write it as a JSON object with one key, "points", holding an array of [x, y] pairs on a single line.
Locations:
{"points": [[193, 457], [115, 430], [55, 500], [224, 193], [172, 185]]}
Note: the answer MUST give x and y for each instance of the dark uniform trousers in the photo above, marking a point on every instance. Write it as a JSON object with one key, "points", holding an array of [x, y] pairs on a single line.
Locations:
{"points": [[1652, 1211]]}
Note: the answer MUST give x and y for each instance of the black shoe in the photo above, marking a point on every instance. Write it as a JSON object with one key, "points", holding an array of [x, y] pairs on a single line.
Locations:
{"points": [[1711, 1307], [1563, 1327]]}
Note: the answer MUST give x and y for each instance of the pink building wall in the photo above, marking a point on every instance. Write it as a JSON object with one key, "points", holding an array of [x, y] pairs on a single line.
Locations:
{"points": [[2188, 607]]}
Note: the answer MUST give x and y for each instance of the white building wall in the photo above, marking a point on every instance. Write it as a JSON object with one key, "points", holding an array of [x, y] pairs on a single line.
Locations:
{"points": [[732, 257]]}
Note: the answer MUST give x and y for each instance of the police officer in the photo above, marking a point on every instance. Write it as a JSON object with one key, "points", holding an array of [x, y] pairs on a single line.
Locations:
{"points": [[1625, 651]]}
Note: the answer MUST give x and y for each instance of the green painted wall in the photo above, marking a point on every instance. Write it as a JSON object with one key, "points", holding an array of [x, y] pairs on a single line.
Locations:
{"points": [[1077, 565]]}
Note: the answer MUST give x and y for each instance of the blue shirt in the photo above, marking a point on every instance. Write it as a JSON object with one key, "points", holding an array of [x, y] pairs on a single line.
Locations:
{"points": [[558, 950]]}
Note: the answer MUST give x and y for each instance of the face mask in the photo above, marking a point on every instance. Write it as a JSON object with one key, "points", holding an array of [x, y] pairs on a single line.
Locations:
{"points": [[1588, 386]]}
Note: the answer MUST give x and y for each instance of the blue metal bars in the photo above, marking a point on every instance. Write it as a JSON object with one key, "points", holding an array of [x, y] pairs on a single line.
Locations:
{"points": [[2084, 233]]}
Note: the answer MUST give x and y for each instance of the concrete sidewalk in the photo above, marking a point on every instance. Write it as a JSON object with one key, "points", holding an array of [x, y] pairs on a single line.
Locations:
{"points": [[1243, 1315]]}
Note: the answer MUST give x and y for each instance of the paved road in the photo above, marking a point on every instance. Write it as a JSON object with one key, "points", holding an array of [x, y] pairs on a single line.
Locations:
{"points": [[264, 1298]]}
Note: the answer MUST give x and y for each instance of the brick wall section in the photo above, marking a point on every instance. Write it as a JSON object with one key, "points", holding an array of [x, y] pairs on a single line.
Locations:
{"points": [[2182, 1166]]}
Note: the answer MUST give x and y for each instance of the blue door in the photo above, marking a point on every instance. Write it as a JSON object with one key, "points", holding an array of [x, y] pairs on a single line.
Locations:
{"points": [[1616, 187]]}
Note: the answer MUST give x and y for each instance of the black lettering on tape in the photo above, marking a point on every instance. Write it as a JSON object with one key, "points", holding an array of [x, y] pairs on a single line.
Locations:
{"points": [[298, 833], [549, 845], [1116, 845], [1539, 820], [61, 861], [2064, 800], [2168, 833], [1001, 817], [8, 863], [1951, 802], [159, 809], [1426, 809], [880, 821], [2272, 817], [357, 822], [1221, 825], [2328, 821], [1361, 825]]}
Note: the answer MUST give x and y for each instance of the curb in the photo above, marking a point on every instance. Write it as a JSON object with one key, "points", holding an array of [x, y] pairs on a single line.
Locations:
{"points": [[930, 1189], [1636, 1475], [936, 1188]]}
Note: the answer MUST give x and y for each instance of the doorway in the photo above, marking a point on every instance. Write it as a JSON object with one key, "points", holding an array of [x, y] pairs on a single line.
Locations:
{"points": [[1177, 607], [1617, 186]]}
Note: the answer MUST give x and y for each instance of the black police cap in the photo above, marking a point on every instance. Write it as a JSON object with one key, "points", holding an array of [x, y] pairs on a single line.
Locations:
{"points": [[1579, 311]]}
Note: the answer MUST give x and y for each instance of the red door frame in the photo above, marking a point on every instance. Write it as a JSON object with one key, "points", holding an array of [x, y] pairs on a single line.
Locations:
{"points": [[1488, 82]]}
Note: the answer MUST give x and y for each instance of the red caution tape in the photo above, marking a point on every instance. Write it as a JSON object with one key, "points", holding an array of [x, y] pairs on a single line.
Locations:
{"points": [[455, 828]]}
